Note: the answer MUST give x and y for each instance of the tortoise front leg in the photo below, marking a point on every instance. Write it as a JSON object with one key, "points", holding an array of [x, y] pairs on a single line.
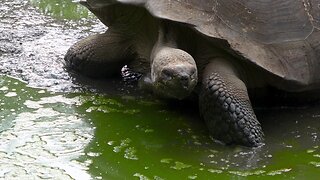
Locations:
{"points": [[225, 106], [101, 55]]}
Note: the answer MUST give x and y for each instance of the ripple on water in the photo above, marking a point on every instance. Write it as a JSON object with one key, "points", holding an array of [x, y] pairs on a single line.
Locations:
{"points": [[42, 142], [11, 94], [4, 88]]}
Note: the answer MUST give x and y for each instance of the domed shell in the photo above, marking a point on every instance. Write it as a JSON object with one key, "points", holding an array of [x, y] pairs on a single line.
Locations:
{"points": [[280, 36]]}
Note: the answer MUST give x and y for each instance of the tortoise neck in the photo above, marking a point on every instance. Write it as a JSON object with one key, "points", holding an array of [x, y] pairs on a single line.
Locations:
{"points": [[167, 36]]}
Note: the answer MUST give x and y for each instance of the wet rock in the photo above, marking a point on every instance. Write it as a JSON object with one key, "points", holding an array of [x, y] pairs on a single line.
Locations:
{"points": [[32, 45]]}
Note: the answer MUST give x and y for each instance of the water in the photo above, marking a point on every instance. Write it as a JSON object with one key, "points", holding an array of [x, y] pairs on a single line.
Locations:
{"points": [[64, 129], [42, 134]]}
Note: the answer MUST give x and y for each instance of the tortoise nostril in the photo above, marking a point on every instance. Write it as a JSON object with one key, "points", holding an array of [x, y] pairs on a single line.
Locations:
{"points": [[184, 77], [184, 80]]}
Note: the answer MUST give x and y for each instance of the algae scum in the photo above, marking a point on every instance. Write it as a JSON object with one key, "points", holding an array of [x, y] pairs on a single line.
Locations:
{"points": [[64, 131]]}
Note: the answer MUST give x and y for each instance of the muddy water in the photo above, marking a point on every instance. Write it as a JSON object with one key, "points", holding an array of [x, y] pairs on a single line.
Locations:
{"points": [[62, 129]]}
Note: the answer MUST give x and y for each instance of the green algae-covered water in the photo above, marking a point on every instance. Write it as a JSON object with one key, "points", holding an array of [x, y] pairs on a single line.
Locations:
{"points": [[79, 134], [85, 135]]}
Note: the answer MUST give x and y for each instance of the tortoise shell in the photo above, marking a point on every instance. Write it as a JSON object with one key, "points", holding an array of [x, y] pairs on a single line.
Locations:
{"points": [[280, 36]]}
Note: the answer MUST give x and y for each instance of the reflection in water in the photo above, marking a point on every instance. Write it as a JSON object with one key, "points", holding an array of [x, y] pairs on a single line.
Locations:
{"points": [[41, 134]]}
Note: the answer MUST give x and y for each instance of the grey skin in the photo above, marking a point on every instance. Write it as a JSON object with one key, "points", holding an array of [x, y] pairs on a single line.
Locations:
{"points": [[217, 49]]}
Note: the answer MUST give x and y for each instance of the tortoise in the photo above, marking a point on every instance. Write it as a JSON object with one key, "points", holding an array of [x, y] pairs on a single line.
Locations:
{"points": [[220, 50]]}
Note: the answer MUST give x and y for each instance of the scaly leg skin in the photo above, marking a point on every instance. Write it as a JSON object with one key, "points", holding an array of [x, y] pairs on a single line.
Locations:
{"points": [[101, 55], [226, 108]]}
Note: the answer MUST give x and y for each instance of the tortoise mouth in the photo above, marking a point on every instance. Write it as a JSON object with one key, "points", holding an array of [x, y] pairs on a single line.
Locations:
{"points": [[166, 91]]}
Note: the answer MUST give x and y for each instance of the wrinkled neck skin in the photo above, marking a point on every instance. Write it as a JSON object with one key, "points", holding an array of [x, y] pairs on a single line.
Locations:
{"points": [[167, 38]]}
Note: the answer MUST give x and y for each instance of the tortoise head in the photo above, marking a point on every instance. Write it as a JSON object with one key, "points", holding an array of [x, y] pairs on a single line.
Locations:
{"points": [[173, 73]]}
